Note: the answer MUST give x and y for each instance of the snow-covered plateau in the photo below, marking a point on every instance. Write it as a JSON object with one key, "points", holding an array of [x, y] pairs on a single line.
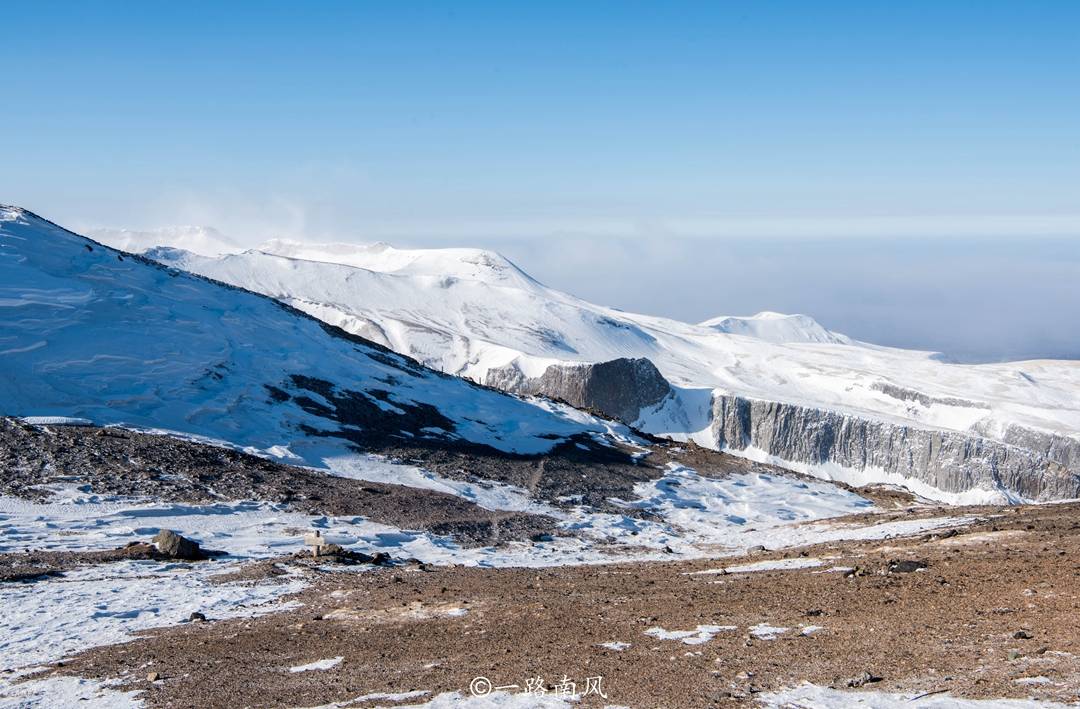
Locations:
{"points": [[772, 387]]}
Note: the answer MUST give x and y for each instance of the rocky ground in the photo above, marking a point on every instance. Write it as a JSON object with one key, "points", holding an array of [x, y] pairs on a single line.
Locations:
{"points": [[34, 564], [114, 461], [986, 609], [983, 610], [117, 461]]}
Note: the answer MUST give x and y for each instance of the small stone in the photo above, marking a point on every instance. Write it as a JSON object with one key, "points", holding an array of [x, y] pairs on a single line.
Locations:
{"points": [[906, 566], [153, 677], [865, 678], [1022, 635], [197, 617]]}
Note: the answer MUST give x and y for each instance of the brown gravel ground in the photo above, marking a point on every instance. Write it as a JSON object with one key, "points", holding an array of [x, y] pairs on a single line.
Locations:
{"points": [[961, 625]]}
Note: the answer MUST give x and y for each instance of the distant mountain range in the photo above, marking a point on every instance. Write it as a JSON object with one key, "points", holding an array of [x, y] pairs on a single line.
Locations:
{"points": [[777, 388]]}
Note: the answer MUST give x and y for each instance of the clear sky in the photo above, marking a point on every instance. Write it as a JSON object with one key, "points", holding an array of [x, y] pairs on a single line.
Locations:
{"points": [[560, 122]]}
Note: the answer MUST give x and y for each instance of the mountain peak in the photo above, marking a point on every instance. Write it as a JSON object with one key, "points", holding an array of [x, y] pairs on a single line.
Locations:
{"points": [[779, 328], [462, 263]]}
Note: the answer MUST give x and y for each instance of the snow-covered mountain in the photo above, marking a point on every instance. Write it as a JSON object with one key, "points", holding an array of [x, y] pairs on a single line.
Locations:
{"points": [[772, 387], [87, 331]]}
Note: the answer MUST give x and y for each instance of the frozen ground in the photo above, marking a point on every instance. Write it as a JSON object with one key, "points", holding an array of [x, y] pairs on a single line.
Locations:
{"points": [[105, 604]]}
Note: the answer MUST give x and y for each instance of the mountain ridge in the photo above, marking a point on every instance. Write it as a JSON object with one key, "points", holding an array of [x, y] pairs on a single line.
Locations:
{"points": [[487, 331]]}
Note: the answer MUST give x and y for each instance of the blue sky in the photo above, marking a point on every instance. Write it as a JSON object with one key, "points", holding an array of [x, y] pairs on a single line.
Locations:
{"points": [[423, 122]]}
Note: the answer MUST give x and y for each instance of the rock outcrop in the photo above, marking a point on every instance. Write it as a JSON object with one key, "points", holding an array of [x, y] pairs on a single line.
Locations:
{"points": [[174, 546], [1029, 464], [620, 388]]}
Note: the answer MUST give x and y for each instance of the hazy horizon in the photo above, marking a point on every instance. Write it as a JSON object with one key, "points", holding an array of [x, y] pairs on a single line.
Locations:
{"points": [[972, 299]]}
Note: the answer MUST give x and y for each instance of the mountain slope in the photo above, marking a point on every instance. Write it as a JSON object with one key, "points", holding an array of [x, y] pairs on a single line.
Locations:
{"points": [[87, 331], [776, 388]]}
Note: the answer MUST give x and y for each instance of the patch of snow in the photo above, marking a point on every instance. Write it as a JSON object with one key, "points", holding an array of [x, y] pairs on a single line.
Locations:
{"points": [[56, 420], [615, 645], [698, 636], [495, 700], [375, 697], [737, 510], [816, 697], [764, 631], [767, 565], [66, 692], [326, 664], [48, 620]]}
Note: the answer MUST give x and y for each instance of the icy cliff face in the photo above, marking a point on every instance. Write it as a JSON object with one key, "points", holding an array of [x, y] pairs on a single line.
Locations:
{"points": [[620, 388], [1030, 465]]}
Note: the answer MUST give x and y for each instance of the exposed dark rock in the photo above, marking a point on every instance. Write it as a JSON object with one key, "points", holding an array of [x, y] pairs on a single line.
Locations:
{"points": [[175, 546], [906, 566], [122, 462], [863, 679], [619, 389]]}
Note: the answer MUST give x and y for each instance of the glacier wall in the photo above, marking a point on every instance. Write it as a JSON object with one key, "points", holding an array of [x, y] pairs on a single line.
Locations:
{"points": [[1028, 464], [1018, 464]]}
